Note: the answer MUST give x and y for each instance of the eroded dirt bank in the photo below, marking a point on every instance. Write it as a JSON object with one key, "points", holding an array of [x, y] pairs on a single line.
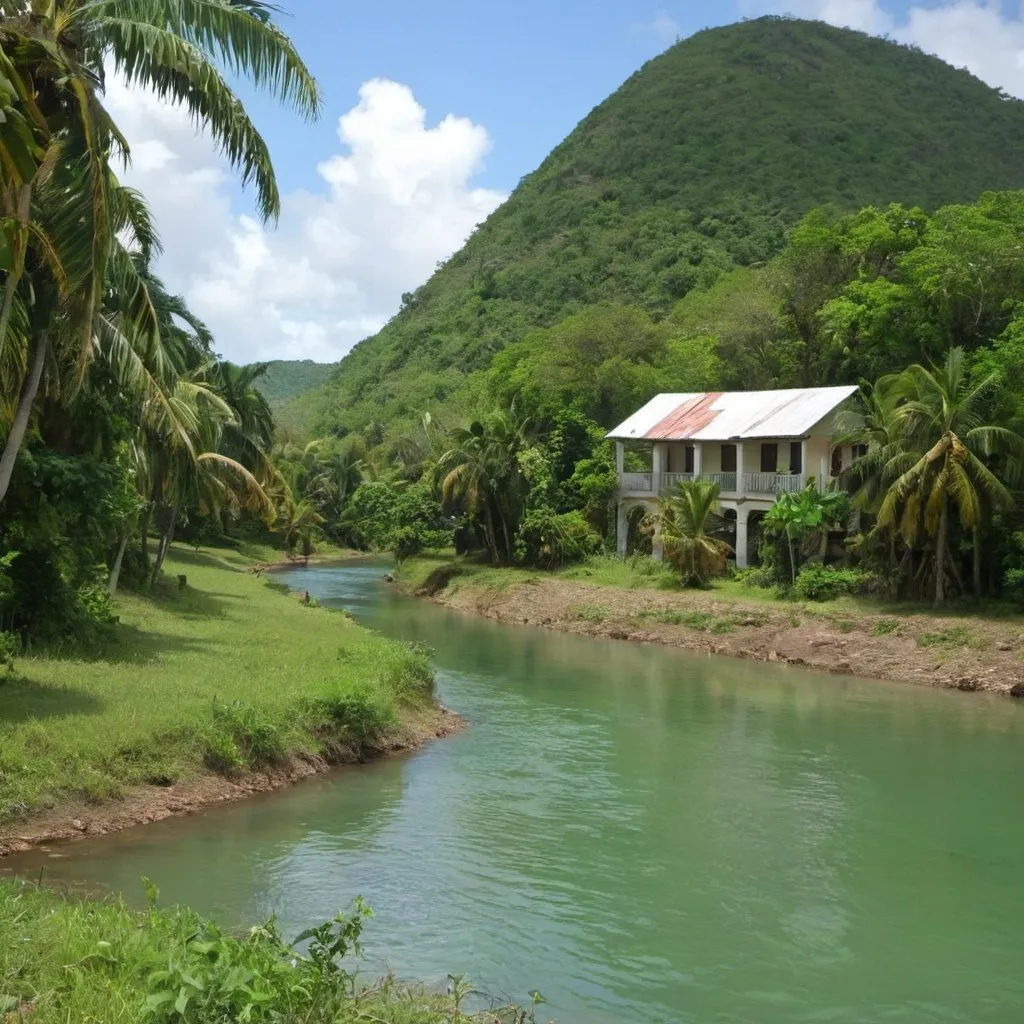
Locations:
{"points": [[154, 803], [963, 653]]}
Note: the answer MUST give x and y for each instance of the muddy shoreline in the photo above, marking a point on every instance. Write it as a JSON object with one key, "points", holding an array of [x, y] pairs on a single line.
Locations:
{"points": [[970, 654], [146, 804]]}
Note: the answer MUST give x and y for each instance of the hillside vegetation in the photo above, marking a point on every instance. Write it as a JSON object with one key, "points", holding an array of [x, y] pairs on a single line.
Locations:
{"points": [[700, 163], [285, 378]]}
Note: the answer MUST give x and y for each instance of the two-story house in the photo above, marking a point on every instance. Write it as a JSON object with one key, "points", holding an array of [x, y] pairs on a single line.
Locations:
{"points": [[754, 444]]}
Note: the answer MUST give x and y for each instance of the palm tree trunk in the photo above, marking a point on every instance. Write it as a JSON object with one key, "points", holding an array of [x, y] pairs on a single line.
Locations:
{"points": [[147, 512], [792, 558], [165, 543], [940, 554], [115, 572], [29, 390], [976, 567]]}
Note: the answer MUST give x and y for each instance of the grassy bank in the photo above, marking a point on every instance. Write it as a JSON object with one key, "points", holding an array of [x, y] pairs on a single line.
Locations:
{"points": [[226, 676], [65, 959], [979, 648]]}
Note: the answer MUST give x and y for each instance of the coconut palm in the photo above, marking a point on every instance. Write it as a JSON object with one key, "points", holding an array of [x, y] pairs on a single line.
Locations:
{"points": [[687, 521], [481, 471], [57, 190], [957, 455]]}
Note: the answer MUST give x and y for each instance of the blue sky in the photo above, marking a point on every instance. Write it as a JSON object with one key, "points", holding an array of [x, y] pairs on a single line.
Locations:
{"points": [[433, 112]]}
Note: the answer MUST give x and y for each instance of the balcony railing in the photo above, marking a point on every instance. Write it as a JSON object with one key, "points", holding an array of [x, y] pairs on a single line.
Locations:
{"points": [[753, 483]]}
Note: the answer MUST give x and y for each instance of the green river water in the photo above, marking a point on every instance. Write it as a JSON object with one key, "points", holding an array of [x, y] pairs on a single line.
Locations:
{"points": [[641, 835]]}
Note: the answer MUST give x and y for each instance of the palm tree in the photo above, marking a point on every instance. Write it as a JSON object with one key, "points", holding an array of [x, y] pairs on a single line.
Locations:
{"points": [[687, 521], [57, 191], [944, 418], [481, 471]]}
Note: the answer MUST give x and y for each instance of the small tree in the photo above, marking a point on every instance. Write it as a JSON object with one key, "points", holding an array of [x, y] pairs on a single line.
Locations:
{"points": [[800, 517], [687, 521]]}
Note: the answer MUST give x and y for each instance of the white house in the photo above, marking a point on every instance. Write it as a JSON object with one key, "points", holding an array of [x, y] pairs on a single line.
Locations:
{"points": [[754, 444]]}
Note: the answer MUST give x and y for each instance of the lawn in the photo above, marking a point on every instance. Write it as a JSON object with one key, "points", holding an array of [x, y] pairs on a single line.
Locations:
{"points": [[228, 674]]}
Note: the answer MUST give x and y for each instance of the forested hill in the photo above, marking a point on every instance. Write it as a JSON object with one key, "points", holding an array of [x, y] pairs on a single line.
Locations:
{"points": [[286, 378], [701, 161]]}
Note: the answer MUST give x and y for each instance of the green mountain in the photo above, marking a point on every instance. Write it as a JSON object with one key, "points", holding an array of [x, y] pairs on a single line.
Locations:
{"points": [[286, 378], [700, 162]]}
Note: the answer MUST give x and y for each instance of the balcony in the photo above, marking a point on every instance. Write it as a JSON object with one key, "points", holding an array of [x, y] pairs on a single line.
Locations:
{"points": [[754, 485]]}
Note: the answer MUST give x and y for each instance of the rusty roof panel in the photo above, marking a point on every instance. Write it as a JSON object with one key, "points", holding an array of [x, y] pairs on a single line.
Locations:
{"points": [[732, 415], [686, 419]]}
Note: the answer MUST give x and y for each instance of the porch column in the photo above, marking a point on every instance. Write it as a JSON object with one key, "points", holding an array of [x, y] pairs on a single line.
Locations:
{"points": [[803, 463], [697, 460], [621, 527], [657, 548], [741, 534], [658, 461], [620, 458], [740, 484]]}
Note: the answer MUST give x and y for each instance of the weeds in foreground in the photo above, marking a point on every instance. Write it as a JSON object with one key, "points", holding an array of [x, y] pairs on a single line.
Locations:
{"points": [[955, 636], [593, 613], [887, 627], [65, 959], [705, 622]]}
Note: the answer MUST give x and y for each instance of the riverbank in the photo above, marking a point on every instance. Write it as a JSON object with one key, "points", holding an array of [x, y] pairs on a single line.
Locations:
{"points": [[204, 693], [170, 965], [609, 598]]}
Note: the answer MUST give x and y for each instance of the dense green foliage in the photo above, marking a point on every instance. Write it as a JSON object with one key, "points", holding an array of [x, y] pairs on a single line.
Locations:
{"points": [[700, 163], [283, 379], [170, 966]]}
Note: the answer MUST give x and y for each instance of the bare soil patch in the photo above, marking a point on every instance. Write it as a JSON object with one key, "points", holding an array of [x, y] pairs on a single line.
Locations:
{"points": [[955, 652]]}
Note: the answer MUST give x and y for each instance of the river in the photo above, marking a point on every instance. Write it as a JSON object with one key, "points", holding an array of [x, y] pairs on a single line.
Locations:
{"points": [[640, 834]]}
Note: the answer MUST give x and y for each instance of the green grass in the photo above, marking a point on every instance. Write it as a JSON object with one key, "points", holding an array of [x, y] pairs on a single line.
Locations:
{"points": [[226, 675], [955, 636], [704, 622], [65, 959], [594, 613]]}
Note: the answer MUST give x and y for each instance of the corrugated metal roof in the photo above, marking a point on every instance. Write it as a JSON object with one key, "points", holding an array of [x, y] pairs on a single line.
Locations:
{"points": [[731, 415]]}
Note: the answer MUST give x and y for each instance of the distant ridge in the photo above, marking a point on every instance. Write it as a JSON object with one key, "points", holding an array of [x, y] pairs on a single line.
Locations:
{"points": [[700, 162]]}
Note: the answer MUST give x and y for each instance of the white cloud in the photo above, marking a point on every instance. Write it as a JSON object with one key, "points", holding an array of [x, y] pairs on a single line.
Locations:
{"points": [[397, 199], [974, 34]]}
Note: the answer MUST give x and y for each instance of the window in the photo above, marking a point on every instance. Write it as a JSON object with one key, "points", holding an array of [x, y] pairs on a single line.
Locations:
{"points": [[837, 460], [796, 457], [688, 461], [769, 458], [858, 451], [728, 458]]}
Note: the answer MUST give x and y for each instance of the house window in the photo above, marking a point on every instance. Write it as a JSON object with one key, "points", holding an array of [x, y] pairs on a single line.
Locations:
{"points": [[769, 458], [728, 458], [688, 459], [837, 460], [796, 457], [858, 451]]}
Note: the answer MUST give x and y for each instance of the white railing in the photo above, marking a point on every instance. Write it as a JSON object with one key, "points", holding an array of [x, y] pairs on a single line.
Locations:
{"points": [[669, 481], [637, 481], [772, 483], [753, 483], [726, 481]]}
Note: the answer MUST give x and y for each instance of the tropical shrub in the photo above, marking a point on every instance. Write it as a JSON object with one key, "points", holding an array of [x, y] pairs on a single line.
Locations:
{"points": [[687, 522], [819, 582], [547, 538], [796, 523]]}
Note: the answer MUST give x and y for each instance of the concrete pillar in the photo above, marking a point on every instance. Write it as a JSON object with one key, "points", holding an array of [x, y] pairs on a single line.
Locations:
{"points": [[658, 465], [620, 457], [657, 548], [697, 460], [741, 534], [804, 468], [740, 485], [621, 527]]}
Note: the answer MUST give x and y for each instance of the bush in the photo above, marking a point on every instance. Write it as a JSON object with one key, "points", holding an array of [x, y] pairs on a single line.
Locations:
{"points": [[760, 576], [10, 648], [818, 582], [547, 538]]}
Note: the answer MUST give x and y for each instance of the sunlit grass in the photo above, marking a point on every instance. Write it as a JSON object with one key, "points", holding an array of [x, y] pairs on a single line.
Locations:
{"points": [[228, 673]]}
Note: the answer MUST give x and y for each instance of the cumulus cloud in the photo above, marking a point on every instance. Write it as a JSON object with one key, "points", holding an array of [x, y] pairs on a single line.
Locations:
{"points": [[394, 201], [978, 35]]}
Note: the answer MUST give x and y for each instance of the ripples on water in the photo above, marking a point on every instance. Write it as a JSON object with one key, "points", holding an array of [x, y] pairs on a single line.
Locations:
{"points": [[642, 835]]}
